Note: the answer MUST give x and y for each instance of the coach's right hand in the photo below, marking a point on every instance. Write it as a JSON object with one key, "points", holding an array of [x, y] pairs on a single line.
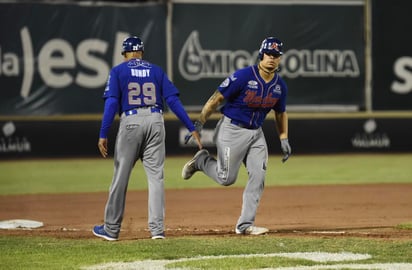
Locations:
{"points": [[102, 144], [198, 129]]}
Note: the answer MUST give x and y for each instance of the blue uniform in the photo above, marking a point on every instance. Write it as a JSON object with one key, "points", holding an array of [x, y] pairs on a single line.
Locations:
{"points": [[249, 99], [250, 94], [146, 85], [240, 139], [136, 84]]}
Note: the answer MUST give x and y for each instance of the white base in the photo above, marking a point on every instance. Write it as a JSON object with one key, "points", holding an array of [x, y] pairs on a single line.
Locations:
{"points": [[20, 224]]}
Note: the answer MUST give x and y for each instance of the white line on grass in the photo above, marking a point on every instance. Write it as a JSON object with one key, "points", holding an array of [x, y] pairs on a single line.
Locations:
{"points": [[372, 266], [312, 256]]}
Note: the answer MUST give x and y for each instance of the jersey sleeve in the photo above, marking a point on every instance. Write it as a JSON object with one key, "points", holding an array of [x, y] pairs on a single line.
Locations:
{"points": [[111, 106], [169, 89], [111, 98], [171, 96], [231, 85], [280, 106], [112, 88], [177, 108]]}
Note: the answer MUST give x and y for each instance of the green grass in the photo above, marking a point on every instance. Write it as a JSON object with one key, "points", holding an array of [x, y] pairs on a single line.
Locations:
{"points": [[47, 253], [407, 226], [92, 175]]}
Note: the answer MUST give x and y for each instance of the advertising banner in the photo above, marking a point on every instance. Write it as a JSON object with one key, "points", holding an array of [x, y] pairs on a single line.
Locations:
{"points": [[392, 55], [26, 139], [323, 63], [55, 58]]}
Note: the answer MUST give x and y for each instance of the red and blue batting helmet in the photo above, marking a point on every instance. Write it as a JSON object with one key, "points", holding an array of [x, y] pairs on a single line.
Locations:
{"points": [[271, 45], [132, 44]]}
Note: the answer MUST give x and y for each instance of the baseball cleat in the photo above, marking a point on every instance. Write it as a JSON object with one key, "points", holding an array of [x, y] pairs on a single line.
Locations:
{"points": [[190, 167], [100, 232], [159, 236], [253, 230]]}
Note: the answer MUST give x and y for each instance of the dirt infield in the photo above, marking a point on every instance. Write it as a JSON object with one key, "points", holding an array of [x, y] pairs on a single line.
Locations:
{"points": [[343, 210]]}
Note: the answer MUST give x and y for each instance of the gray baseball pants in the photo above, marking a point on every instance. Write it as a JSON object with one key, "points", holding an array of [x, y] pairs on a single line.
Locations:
{"points": [[234, 146], [140, 136]]}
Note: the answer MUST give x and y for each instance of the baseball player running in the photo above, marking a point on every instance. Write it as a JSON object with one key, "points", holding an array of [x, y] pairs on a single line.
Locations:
{"points": [[250, 94], [136, 89]]}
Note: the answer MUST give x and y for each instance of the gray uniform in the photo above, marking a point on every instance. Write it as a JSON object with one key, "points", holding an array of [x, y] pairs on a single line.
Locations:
{"points": [[239, 137], [236, 145], [137, 90], [140, 136]]}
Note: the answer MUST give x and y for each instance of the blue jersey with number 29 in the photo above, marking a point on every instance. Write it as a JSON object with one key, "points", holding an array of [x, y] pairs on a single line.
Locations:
{"points": [[138, 83]]}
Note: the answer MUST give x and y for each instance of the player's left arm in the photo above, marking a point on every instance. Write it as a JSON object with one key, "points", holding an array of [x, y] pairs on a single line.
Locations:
{"points": [[282, 124], [282, 129]]}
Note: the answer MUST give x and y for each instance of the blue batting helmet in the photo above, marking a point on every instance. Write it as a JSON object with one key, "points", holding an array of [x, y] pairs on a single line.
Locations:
{"points": [[271, 45], [132, 44]]}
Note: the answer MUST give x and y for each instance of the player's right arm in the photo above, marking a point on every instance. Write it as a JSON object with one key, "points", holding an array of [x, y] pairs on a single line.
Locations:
{"points": [[210, 106], [111, 106]]}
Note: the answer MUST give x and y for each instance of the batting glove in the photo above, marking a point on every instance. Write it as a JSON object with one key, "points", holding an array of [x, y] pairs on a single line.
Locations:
{"points": [[286, 149], [198, 127]]}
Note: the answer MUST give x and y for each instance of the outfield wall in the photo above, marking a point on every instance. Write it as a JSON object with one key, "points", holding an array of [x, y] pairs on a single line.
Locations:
{"points": [[74, 138], [55, 56], [53, 68]]}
